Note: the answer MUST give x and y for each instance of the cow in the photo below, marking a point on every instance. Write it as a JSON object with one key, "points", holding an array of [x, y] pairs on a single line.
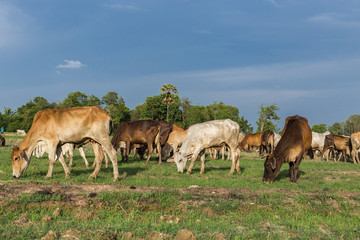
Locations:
{"points": [[141, 132], [355, 145], [318, 139], [175, 140], [205, 135], [293, 145], [250, 141], [338, 143], [20, 132], [55, 127], [2, 141], [166, 129], [267, 142]]}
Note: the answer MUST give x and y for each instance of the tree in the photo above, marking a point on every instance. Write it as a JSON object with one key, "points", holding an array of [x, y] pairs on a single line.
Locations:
{"points": [[74, 99], [266, 115], [319, 128], [116, 107], [167, 89], [352, 124], [336, 128], [184, 105]]}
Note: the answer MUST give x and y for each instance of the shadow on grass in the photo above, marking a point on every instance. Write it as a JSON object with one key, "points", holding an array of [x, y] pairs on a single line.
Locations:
{"points": [[214, 169], [284, 174]]}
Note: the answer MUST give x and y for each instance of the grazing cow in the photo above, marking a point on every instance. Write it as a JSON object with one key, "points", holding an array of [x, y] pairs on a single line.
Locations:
{"points": [[20, 132], [318, 139], [2, 141], [53, 128], [141, 132], [267, 142], [175, 140], [294, 144], [338, 143], [250, 141], [355, 145], [205, 135], [166, 129]]}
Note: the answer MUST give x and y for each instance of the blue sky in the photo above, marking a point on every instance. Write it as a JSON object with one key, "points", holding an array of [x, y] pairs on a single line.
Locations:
{"points": [[302, 55]]}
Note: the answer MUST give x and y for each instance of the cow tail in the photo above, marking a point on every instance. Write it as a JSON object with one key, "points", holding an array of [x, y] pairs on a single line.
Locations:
{"points": [[157, 138]]}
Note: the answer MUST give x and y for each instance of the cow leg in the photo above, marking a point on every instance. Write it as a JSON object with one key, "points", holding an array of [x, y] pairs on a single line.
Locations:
{"points": [[237, 153], [99, 156], [295, 169], [63, 163], [158, 147], [193, 158], [52, 159], [234, 159], [150, 151], [82, 154], [339, 156], [106, 146], [71, 155], [106, 160], [202, 159]]}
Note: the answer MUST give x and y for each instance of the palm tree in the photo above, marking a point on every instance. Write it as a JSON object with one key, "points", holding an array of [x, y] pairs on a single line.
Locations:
{"points": [[169, 98]]}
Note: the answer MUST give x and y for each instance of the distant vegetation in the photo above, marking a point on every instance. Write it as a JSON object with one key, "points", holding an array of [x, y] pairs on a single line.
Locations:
{"points": [[165, 106]]}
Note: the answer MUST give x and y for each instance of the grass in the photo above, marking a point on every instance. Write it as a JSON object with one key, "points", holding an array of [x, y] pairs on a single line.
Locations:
{"points": [[153, 199]]}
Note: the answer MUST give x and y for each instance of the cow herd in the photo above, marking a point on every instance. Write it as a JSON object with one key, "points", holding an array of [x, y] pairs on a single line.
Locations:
{"points": [[57, 132]]}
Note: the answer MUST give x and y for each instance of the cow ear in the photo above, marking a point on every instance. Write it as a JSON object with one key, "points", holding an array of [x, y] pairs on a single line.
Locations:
{"points": [[15, 148], [273, 163], [264, 156], [188, 156]]}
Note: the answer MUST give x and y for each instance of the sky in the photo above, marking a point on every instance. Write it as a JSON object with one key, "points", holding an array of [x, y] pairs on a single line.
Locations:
{"points": [[302, 55]]}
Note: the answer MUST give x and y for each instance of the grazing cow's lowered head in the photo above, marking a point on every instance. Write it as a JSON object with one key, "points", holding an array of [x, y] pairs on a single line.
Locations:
{"points": [[181, 159], [20, 162], [270, 170]]}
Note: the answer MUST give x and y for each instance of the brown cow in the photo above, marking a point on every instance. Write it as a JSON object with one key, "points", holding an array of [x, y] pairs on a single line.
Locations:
{"points": [[141, 132], [267, 142], [293, 145], [250, 141], [54, 128], [337, 143], [175, 140], [355, 145]]}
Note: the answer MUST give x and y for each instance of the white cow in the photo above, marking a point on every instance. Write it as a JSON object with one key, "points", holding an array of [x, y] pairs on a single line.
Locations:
{"points": [[277, 138], [205, 135], [318, 139]]}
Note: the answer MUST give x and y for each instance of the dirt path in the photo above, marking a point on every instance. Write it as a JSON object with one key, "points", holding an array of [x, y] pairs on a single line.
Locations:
{"points": [[84, 190]]}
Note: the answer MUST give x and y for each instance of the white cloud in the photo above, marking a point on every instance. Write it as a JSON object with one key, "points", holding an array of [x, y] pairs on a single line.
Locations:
{"points": [[71, 64]]}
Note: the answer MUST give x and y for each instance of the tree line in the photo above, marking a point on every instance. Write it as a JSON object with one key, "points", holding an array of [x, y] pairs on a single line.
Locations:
{"points": [[167, 106]]}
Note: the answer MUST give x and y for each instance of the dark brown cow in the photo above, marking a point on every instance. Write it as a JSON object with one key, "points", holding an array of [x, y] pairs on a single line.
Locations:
{"points": [[250, 141], [141, 132], [166, 129], [267, 142], [338, 143], [2, 141], [293, 145]]}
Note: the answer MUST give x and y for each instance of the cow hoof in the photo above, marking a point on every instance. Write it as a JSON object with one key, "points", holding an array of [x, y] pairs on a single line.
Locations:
{"points": [[87, 166], [47, 177], [116, 178], [93, 176], [67, 175], [188, 173]]}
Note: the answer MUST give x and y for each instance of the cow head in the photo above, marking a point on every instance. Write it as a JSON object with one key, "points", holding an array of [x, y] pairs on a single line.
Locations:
{"points": [[19, 162], [181, 160], [270, 169]]}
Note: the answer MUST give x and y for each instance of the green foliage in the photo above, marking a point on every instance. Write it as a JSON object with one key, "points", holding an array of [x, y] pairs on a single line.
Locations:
{"points": [[336, 128], [116, 107], [266, 115], [79, 99], [319, 128], [352, 124]]}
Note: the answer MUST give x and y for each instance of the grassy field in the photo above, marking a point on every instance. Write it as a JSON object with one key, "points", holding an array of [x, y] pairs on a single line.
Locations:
{"points": [[155, 202]]}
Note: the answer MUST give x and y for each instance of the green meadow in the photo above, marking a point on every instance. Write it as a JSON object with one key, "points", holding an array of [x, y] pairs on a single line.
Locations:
{"points": [[156, 202]]}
